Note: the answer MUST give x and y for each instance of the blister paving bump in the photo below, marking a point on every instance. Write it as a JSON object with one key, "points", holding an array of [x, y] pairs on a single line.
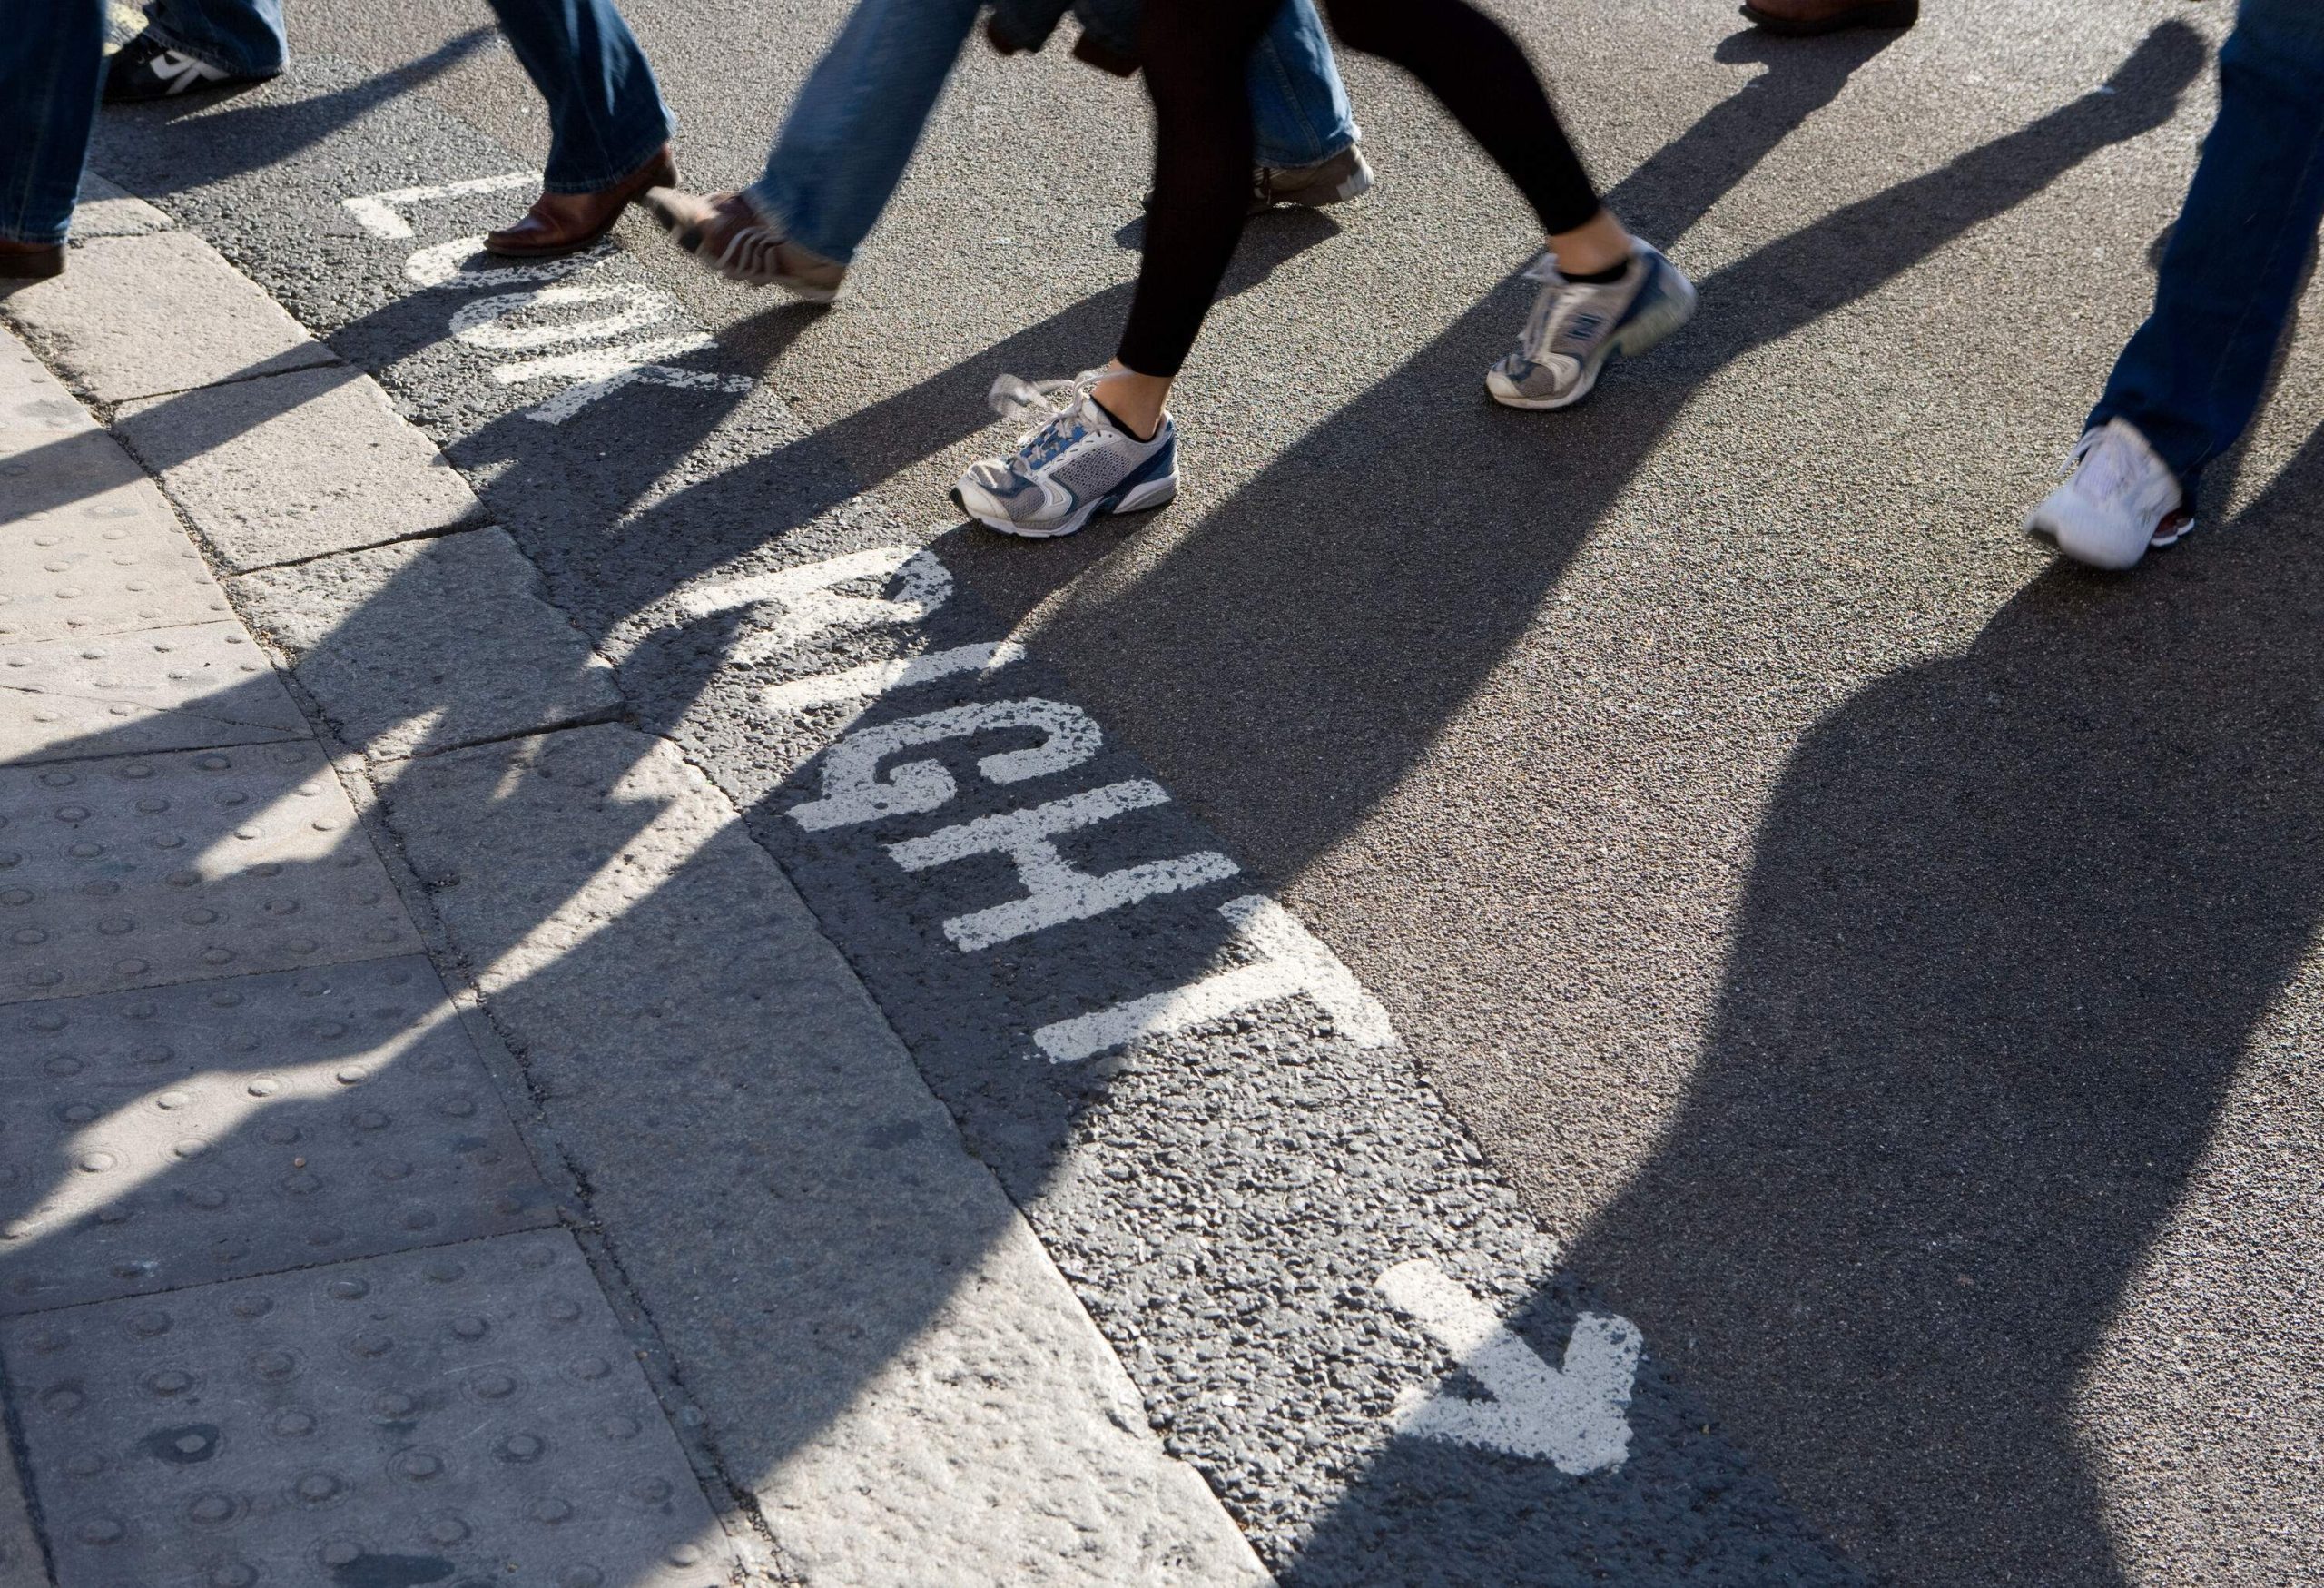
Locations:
{"points": [[465, 1415], [145, 871], [161, 1138], [186, 688]]}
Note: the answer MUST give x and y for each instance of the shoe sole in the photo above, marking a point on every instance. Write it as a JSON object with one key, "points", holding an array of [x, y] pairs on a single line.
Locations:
{"points": [[1640, 335], [1145, 498], [2041, 531]]}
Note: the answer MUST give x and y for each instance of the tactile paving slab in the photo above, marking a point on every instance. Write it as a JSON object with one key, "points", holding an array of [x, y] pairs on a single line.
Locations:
{"points": [[90, 547], [156, 1139], [20, 1559], [466, 1416], [187, 688], [148, 870]]}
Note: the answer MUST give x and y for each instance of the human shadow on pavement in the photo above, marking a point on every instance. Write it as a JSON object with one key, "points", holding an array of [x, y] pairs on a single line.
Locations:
{"points": [[2011, 918]]}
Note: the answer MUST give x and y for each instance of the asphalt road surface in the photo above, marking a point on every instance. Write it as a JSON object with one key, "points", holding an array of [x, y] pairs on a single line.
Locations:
{"points": [[1879, 962]]}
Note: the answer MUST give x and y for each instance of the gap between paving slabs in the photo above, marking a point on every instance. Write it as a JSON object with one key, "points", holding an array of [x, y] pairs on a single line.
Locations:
{"points": [[1043, 1393]]}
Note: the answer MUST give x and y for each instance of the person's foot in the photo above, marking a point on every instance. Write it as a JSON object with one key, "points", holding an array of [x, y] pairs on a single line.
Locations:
{"points": [[1345, 175], [562, 223], [1576, 326], [729, 234], [1065, 472], [30, 261], [146, 68], [1800, 18], [2119, 498]]}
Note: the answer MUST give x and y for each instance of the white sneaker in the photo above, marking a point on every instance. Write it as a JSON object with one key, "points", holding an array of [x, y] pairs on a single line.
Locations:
{"points": [[1065, 472], [2119, 498]]}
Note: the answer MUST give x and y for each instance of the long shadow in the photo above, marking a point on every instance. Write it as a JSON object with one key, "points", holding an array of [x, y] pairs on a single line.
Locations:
{"points": [[237, 138], [2012, 919], [1375, 481], [1491, 504]]}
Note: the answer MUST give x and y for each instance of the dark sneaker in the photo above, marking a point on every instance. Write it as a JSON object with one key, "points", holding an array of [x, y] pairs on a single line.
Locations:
{"points": [[1345, 175], [30, 261], [146, 68]]}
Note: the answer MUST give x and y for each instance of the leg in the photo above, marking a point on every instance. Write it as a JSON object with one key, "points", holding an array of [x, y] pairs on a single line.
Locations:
{"points": [[239, 38], [2192, 375], [49, 78], [852, 129], [606, 112], [1299, 108], [609, 132]]}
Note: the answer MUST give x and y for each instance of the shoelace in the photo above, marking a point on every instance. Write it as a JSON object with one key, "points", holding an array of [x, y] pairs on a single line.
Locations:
{"points": [[1552, 311], [1057, 404], [2109, 471]]}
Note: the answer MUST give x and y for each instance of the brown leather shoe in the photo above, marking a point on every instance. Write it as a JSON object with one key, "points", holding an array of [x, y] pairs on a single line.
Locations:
{"points": [[1805, 18], [27, 260], [569, 223]]}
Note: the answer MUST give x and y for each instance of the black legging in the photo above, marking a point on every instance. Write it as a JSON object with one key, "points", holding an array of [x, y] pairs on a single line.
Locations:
{"points": [[1195, 54]]}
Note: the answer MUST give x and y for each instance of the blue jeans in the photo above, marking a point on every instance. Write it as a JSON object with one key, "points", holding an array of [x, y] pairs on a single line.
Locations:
{"points": [[606, 112], [242, 38], [2192, 376], [50, 75], [852, 131]]}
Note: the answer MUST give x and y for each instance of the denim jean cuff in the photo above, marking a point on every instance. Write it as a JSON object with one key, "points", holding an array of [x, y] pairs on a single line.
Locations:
{"points": [[216, 63], [593, 181], [763, 196], [7, 235], [1331, 148]]}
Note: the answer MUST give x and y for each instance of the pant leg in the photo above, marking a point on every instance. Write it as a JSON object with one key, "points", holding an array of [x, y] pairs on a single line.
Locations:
{"points": [[1478, 73], [1299, 107], [241, 37], [2192, 376], [50, 76], [858, 117], [1198, 58], [606, 112]]}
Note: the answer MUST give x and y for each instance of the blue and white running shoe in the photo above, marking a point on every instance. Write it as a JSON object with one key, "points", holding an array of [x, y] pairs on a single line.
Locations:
{"points": [[1066, 471], [1576, 326]]}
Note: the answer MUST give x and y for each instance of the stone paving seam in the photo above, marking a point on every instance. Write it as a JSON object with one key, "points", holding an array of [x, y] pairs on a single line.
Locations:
{"points": [[24, 1563]]}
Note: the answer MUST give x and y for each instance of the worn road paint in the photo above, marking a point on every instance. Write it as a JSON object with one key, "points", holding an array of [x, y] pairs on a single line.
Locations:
{"points": [[378, 213], [873, 679], [1574, 1416], [1055, 890], [1292, 961]]}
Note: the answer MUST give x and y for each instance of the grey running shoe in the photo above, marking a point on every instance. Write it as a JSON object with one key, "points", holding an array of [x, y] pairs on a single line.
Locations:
{"points": [[1065, 472], [1345, 175], [731, 236], [1576, 326]]}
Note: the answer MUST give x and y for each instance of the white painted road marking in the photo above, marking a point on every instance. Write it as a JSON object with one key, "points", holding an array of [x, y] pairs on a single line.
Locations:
{"points": [[594, 373], [1575, 1417], [1055, 890], [877, 678], [1293, 961], [811, 601], [375, 213], [852, 791]]}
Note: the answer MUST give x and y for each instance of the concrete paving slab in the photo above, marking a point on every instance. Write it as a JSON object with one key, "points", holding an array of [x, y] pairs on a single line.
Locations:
{"points": [[143, 870], [33, 402], [102, 553], [295, 465], [90, 546], [888, 1360], [187, 688], [465, 1415], [21, 1563], [136, 316], [220, 1130], [104, 209], [431, 644]]}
